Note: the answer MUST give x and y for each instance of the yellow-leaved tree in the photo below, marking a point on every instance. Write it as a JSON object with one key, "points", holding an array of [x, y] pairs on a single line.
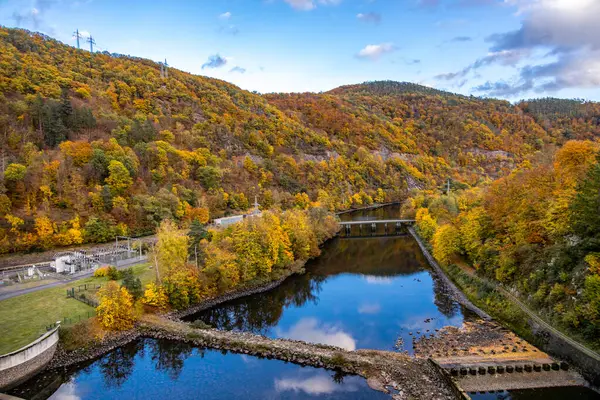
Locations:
{"points": [[155, 296], [115, 311], [171, 248], [426, 224], [446, 243]]}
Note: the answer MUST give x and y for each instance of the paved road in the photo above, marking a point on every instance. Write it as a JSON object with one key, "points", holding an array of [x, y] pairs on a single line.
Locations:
{"points": [[66, 281]]}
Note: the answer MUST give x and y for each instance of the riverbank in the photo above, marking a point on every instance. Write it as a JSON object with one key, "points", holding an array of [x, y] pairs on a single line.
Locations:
{"points": [[246, 290], [456, 293], [509, 311]]}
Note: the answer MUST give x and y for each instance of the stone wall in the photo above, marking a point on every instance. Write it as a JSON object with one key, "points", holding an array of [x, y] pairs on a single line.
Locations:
{"points": [[19, 365], [588, 365], [455, 292]]}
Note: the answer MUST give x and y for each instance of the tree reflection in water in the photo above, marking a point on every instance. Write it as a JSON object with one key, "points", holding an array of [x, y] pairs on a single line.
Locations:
{"points": [[169, 356], [117, 366], [380, 260]]}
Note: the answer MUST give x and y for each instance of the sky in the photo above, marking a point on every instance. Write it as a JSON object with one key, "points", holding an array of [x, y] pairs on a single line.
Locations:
{"points": [[508, 49]]}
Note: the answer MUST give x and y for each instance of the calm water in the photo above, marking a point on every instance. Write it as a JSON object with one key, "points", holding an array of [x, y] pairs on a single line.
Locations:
{"points": [[360, 293], [559, 393], [158, 369]]}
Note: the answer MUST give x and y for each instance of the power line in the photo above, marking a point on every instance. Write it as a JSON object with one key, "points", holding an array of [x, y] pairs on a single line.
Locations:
{"points": [[77, 35], [92, 42], [164, 69]]}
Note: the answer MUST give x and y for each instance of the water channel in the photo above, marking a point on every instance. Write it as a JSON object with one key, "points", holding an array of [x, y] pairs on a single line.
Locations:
{"points": [[362, 292], [368, 292]]}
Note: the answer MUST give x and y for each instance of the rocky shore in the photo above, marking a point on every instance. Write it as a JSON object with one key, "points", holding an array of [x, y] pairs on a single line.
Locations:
{"points": [[63, 358], [400, 375], [232, 295]]}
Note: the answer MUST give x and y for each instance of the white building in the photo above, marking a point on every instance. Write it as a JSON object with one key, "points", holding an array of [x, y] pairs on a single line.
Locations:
{"points": [[226, 221]]}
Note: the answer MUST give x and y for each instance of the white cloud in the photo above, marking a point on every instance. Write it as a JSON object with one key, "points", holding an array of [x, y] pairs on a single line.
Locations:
{"points": [[369, 17], [308, 330], [307, 5], [225, 15], [375, 51], [565, 32]]}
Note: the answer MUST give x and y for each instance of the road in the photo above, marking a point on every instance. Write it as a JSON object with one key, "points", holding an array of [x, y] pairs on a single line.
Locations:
{"points": [[547, 326], [532, 314], [74, 278]]}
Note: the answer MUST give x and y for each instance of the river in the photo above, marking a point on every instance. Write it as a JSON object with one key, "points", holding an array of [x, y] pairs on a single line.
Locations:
{"points": [[367, 292], [374, 292]]}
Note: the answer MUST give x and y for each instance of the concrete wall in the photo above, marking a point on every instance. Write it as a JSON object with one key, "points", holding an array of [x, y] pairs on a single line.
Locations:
{"points": [[588, 365], [20, 365]]}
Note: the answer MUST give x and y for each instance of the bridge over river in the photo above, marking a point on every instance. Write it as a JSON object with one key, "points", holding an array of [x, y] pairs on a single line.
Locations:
{"points": [[374, 227]]}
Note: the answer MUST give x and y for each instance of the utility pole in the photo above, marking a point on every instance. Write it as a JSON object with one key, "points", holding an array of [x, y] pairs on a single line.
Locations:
{"points": [[92, 42], [77, 36], [166, 69], [156, 264]]}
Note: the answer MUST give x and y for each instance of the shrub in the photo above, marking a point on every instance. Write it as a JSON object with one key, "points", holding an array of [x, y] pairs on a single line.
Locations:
{"points": [[132, 284], [338, 360], [113, 273], [101, 272], [115, 311], [155, 296]]}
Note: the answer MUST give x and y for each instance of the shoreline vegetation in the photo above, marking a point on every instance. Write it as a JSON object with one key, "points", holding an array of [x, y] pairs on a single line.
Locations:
{"points": [[534, 232], [147, 275], [248, 257], [380, 368]]}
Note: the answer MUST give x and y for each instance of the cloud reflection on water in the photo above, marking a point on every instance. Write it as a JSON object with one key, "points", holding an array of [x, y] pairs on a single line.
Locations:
{"points": [[369, 308], [310, 330], [378, 280], [314, 385]]}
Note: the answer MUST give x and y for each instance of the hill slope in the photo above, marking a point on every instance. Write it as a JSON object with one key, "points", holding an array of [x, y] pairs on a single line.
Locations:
{"points": [[95, 145]]}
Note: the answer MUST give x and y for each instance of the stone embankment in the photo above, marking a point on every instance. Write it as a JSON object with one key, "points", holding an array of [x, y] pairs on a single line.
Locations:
{"points": [[400, 375], [234, 294], [456, 294]]}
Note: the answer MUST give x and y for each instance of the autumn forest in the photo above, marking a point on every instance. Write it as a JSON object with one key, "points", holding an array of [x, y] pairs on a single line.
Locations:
{"points": [[98, 145]]}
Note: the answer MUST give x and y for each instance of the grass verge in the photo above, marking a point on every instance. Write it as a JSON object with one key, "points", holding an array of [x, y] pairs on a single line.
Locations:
{"points": [[24, 318]]}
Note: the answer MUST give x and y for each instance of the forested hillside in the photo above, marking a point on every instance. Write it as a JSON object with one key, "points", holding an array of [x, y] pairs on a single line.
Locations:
{"points": [[536, 231], [94, 145]]}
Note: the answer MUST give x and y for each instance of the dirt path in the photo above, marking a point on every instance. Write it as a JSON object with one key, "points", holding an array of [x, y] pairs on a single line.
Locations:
{"points": [[532, 314]]}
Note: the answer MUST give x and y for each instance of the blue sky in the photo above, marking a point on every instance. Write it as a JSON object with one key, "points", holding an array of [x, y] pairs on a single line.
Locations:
{"points": [[503, 48]]}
